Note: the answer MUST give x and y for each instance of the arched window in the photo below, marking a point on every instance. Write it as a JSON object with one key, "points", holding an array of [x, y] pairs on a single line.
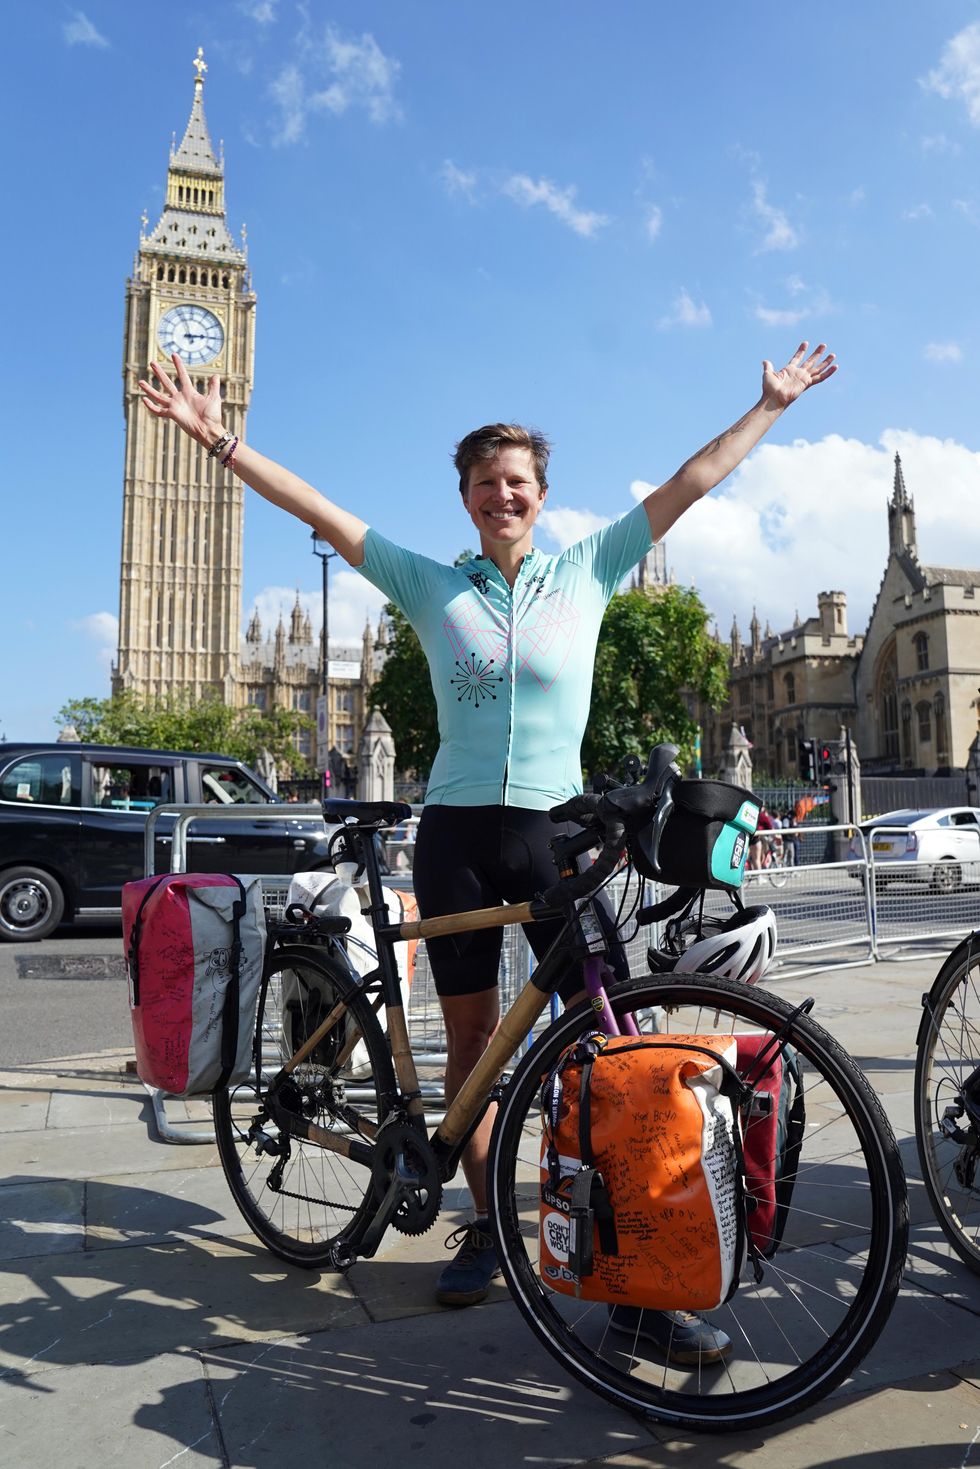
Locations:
{"points": [[942, 730], [921, 645], [182, 276], [789, 680], [924, 716], [160, 272], [907, 731], [170, 274], [886, 701], [193, 277]]}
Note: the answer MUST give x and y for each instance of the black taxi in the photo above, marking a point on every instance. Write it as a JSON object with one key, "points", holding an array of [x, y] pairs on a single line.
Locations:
{"points": [[73, 819]]}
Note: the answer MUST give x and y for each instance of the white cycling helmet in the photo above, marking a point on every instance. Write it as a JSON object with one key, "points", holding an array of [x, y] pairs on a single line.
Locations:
{"points": [[741, 947]]}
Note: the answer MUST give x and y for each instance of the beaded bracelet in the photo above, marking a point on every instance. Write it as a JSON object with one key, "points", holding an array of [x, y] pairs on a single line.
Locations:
{"points": [[228, 462], [220, 445]]}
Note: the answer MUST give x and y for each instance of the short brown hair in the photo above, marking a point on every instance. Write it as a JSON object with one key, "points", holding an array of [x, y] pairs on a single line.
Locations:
{"points": [[486, 443]]}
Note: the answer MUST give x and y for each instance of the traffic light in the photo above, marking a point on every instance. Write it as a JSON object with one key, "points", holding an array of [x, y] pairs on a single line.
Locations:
{"points": [[825, 759], [808, 759]]}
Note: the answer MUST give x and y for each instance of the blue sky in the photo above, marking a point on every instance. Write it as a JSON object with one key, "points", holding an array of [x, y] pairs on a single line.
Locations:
{"points": [[595, 219]]}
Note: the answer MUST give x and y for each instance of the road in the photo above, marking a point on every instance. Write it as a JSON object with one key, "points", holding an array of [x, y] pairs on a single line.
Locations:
{"points": [[63, 996], [67, 995]]}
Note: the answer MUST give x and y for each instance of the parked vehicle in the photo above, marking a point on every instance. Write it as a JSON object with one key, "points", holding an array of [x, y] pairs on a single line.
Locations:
{"points": [[73, 819], [940, 847]]}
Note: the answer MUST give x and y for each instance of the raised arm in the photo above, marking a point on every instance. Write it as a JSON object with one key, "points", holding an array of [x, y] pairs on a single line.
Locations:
{"points": [[710, 465], [199, 415]]}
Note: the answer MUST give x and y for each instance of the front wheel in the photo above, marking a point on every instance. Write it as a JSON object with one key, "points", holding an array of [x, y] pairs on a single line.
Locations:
{"points": [[302, 1199], [825, 1294], [31, 904], [947, 1088]]}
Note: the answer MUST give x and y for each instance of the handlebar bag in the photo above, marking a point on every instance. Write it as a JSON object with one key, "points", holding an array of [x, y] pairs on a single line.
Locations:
{"points": [[641, 1192], [195, 944], [706, 838], [772, 1136]]}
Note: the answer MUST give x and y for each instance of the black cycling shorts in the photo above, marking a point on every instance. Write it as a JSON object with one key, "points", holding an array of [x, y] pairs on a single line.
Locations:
{"points": [[478, 857]]}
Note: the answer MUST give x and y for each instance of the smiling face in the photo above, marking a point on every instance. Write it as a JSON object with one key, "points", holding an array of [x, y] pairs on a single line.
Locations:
{"points": [[503, 499]]}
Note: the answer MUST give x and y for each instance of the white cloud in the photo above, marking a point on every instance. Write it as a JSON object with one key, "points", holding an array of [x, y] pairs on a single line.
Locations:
{"points": [[943, 352], [685, 311], [857, 196], [289, 93], [969, 210], [918, 211], [103, 629], [654, 221], [79, 31], [360, 77], [957, 77], [565, 526], [458, 180], [559, 202], [819, 305], [263, 12], [780, 234], [352, 600], [797, 519], [776, 316], [938, 143]]}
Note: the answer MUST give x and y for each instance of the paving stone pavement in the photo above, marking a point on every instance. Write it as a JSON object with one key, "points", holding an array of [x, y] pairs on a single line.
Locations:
{"points": [[142, 1325]]}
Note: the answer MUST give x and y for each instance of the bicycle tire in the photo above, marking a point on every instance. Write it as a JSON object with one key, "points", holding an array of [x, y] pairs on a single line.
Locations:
{"points": [[825, 1295], [321, 1195], [777, 874], [948, 1051]]}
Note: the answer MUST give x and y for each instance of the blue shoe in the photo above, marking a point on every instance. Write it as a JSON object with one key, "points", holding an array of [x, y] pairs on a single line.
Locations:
{"points": [[466, 1279], [680, 1336]]}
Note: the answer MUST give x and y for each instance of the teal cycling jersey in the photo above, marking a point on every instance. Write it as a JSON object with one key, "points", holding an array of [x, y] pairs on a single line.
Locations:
{"points": [[511, 670]]}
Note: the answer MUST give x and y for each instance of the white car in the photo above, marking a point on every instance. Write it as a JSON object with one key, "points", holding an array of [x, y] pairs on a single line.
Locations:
{"points": [[940, 847]]}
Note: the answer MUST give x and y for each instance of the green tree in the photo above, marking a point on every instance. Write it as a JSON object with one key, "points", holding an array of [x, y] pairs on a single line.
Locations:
{"points": [[178, 722], [403, 693], [654, 649]]}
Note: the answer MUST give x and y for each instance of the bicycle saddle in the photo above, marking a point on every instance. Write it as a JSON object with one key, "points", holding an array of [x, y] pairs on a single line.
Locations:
{"points": [[366, 813]]}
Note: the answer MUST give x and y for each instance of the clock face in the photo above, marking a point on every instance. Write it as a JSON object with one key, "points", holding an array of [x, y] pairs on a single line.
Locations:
{"points": [[191, 331]]}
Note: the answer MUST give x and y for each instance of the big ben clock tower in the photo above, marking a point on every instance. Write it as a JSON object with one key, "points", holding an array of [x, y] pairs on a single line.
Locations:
{"points": [[181, 565]]}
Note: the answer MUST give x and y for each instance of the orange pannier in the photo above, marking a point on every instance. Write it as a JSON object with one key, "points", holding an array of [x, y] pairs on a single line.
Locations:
{"points": [[642, 1196]]}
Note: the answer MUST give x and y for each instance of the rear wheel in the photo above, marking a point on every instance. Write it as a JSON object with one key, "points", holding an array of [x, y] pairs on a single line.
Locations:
{"points": [[826, 1293], [946, 877], [299, 1198], [947, 1086], [31, 904]]}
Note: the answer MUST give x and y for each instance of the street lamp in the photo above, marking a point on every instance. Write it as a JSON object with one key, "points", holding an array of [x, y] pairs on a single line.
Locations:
{"points": [[322, 549]]}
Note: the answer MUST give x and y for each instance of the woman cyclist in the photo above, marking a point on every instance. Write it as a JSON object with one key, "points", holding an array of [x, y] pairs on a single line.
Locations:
{"points": [[510, 639]]}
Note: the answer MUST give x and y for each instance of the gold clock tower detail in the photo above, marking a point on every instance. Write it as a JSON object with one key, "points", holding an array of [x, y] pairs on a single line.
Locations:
{"points": [[181, 565]]}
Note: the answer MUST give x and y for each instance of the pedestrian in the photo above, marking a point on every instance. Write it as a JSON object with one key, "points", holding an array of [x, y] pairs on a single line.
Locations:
{"points": [[512, 702]]}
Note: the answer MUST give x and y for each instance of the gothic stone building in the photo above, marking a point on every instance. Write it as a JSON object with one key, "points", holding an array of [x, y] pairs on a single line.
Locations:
{"points": [[180, 584], [907, 689]]}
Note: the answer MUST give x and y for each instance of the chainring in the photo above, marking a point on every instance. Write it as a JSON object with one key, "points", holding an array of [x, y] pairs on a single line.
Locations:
{"points": [[404, 1154]]}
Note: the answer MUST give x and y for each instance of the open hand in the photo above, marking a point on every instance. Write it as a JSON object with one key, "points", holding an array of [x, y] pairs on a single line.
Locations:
{"points": [[801, 372], [198, 414]]}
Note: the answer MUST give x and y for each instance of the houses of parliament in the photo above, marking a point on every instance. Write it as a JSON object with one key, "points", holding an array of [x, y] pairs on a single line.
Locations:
{"points": [[180, 593]]}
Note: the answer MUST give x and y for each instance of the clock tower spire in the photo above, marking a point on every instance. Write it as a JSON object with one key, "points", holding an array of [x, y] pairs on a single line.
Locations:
{"points": [[181, 562]]}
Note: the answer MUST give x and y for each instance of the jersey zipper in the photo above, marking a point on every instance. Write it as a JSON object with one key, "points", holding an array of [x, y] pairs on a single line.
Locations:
{"points": [[512, 679]]}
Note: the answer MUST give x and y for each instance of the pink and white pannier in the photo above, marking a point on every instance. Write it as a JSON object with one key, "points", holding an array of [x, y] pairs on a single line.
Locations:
{"points": [[195, 944]]}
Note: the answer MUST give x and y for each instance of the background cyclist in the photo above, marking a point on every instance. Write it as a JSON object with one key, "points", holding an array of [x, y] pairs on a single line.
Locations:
{"points": [[510, 640]]}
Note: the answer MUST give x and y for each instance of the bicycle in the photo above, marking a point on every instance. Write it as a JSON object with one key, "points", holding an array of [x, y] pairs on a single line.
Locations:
{"points": [[327, 1146], [773, 862], [947, 1098]]}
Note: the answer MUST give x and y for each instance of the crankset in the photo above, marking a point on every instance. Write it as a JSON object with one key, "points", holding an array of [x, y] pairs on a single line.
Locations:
{"points": [[405, 1164]]}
